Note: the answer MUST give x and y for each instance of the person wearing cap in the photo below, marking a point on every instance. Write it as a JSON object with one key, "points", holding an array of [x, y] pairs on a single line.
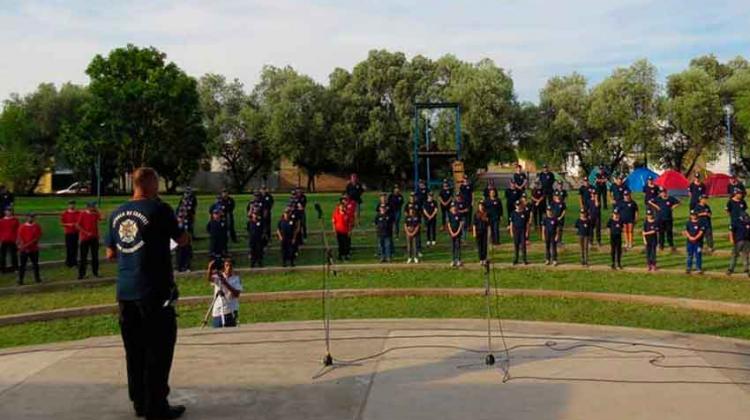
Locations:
{"points": [[664, 206], [463, 211], [559, 209], [421, 192], [267, 202], [297, 216], [584, 193], [629, 215], [480, 231], [396, 204], [650, 191], [546, 181], [342, 228], [550, 228], [739, 237], [256, 233], [616, 227], [9, 225], [382, 202], [494, 208], [219, 206], [456, 225], [694, 231], [218, 236], [650, 239], [413, 204], [489, 187], [88, 239], [6, 198], [736, 205], [519, 231], [618, 189], [519, 181], [257, 206], [68, 220], [511, 196], [354, 190], [538, 206], [384, 230], [189, 202], [703, 210], [184, 254], [601, 181], [287, 231], [583, 231], [229, 205], [412, 229], [735, 183], [696, 190], [594, 212], [430, 211], [560, 189], [445, 198], [29, 234], [466, 190]]}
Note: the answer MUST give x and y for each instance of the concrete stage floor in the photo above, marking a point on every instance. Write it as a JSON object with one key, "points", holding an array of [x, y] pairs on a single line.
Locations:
{"points": [[266, 371]]}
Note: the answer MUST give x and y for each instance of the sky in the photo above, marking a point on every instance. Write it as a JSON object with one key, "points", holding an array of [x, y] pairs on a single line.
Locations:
{"points": [[53, 41]]}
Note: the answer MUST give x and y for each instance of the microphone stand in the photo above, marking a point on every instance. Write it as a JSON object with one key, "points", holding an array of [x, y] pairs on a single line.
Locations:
{"points": [[489, 359], [325, 295]]}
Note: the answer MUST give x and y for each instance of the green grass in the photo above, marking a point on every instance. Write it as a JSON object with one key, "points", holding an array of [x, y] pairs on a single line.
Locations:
{"points": [[521, 308], [734, 289]]}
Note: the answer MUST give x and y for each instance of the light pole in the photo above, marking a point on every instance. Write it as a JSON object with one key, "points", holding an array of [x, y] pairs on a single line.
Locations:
{"points": [[728, 110]]}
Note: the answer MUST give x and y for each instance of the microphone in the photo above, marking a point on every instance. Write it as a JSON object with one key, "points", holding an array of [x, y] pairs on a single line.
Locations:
{"points": [[319, 211]]}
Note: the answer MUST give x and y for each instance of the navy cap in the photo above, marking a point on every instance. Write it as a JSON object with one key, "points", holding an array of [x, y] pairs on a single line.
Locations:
{"points": [[649, 212], [737, 191], [703, 196], [615, 211], [216, 211], [693, 213], [549, 208], [626, 192]]}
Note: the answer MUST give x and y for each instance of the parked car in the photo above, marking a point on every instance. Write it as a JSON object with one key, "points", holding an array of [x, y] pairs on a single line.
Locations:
{"points": [[76, 188]]}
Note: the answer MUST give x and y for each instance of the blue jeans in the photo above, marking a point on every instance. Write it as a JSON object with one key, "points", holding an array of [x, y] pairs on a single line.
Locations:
{"points": [[385, 246], [694, 251], [396, 221], [230, 320]]}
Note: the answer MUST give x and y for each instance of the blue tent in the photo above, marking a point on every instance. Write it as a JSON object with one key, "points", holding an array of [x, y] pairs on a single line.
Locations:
{"points": [[637, 179]]}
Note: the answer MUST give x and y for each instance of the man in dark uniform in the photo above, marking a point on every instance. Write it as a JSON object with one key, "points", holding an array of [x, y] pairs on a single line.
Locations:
{"points": [[664, 206], [550, 228], [602, 178], [229, 205], [547, 183], [396, 205], [355, 189], [616, 228], [256, 231], [287, 232], [445, 199], [512, 195], [594, 212], [703, 210], [584, 194], [538, 205], [735, 183], [139, 238], [735, 205], [466, 190], [618, 189], [739, 237], [696, 190], [463, 210], [184, 254], [6, 198], [519, 181], [494, 208], [218, 237], [189, 202], [650, 191], [519, 228], [421, 192], [302, 212], [267, 210]]}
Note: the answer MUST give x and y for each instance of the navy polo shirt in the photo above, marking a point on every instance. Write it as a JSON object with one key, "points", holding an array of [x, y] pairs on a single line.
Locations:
{"points": [[547, 181], [627, 210], [446, 194], [550, 225], [693, 228], [740, 230], [384, 225], [455, 221], [651, 227], [287, 228], [494, 208], [665, 207], [583, 227], [736, 208], [615, 227], [519, 220]]}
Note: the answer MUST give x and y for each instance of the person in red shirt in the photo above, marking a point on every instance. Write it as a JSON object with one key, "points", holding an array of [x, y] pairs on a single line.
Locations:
{"points": [[69, 220], [342, 227], [29, 234], [8, 235], [88, 238]]}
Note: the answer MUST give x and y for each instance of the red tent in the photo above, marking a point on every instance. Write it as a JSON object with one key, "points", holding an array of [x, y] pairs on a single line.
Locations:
{"points": [[716, 184], [674, 182]]}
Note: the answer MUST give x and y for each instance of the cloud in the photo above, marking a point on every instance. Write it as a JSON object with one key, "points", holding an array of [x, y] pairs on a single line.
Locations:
{"points": [[534, 39]]}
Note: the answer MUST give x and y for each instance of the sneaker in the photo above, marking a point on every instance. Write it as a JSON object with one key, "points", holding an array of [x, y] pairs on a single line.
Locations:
{"points": [[416, 260], [613, 267], [729, 272], [619, 267], [453, 263], [419, 254], [460, 263], [555, 263], [408, 261], [546, 262]]}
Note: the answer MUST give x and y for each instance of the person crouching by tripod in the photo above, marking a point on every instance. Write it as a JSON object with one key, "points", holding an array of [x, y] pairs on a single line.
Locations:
{"points": [[227, 288], [287, 232], [342, 221], [412, 228], [455, 229], [480, 231]]}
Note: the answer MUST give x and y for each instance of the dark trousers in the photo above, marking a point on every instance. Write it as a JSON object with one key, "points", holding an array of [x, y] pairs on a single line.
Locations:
{"points": [[615, 250], [596, 231], [456, 248], [411, 246], [651, 244], [695, 251], [149, 333], [560, 231], [584, 242], [385, 247], [71, 249], [230, 227], [495, 231], [708, 236], [256, 253], [482, 246], [431, 229], [303, 224], [550, 248], [519, 245], [26, 256], [8, 249], [741, 248], [444, 212], [184, 257], [538, 213], [396, 221], [665, 233], [89, 246], [345, 244], [287, 252], [601, 194]]}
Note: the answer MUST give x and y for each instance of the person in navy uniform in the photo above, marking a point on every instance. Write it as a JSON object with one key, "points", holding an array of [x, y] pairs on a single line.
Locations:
{"points": [[739, 237], [584, 194], [412, 229], [511, 196], [189, 202], [6, 198], [301, 212], [696, 190], [519, 181], [694, 231], [594, 212], [703, 210], [139, 239], [494, 208], [538, 205], [650, 191], [396, 204], [445, 198], [664, 206], [583, 231], [601, 181], [463, 211], [228, 207], [616, 228], [267, 202], [550, 228], [430, 211], [489, 187], [629, 215], [736, 205], [546, 180], [413, 204], [466, 190], [735, 183], [384, 230], [480, 231], [355, 190], [184, 254], [218, 235], [455, 230], [559, 209], [650, 239], [287, 231], [618, 189], [382, 202], [519, 230], [256, 234], [421, 192]]}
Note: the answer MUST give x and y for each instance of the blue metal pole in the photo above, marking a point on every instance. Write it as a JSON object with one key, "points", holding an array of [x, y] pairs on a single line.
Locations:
{"points": [[416, 147]]}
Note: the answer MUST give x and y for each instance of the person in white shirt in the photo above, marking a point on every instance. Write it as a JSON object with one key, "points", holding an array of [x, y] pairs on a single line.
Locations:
{"points": [[227, 288]]}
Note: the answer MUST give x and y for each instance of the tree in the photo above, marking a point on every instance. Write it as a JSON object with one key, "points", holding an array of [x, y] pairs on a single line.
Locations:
{"points": [[151, 111], [236, 130]]}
